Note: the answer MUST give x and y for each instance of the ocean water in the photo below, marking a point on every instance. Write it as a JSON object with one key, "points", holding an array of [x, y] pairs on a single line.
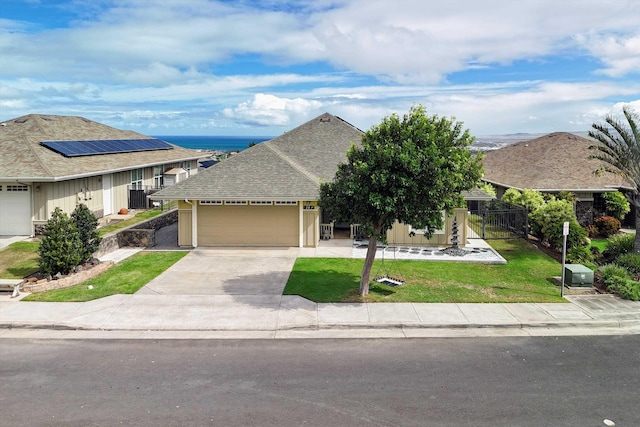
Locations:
{"points": [[213, 143]]}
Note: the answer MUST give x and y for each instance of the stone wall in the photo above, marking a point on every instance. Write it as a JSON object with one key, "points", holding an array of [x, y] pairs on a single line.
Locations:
{"points": [[33, 285], [137, 238], [141, 234]]}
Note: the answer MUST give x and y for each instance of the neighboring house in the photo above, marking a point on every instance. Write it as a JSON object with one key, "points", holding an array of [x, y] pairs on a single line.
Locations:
{"points": [[49, 161], [551, 164], [267, 194]]}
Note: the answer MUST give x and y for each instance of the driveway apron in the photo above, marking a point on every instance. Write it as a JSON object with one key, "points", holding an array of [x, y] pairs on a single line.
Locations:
{"points": [[226, 271]]}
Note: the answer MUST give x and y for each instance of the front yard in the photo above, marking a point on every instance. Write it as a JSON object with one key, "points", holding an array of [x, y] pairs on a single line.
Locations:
{"points": [[527, 277]]}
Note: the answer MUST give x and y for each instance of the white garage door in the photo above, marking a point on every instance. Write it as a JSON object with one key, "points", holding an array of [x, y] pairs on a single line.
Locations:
{"points": [[15, 210]]}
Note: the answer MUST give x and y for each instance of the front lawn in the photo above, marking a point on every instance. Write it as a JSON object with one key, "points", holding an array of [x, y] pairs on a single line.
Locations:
{"points": [[525, 278], [19, 260], [124, 278]]}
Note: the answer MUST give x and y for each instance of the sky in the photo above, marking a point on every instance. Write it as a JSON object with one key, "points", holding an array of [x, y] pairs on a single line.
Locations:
{"points": [[260, 68]]}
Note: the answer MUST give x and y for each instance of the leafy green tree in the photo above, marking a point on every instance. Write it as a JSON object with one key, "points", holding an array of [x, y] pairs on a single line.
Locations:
{"points": [[60, 247], [616, 204], [408, 169], [618, 146], [530, 199], [87, 225]]}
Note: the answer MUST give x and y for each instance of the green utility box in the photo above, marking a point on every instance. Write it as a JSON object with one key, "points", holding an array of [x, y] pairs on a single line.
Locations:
{"points": [[577, 275]]}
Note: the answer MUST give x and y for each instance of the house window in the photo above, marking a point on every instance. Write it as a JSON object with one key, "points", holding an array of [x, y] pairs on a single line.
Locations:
{"points": [[186, 166], [158, 180], [136, 179]]}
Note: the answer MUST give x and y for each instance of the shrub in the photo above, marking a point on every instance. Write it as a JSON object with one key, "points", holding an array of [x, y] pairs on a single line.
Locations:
{"points": [[548, 221], [60, 248], [616, 204], [87, 225], [531, 199], [630, 261], [607, 225], [594, 250], [627, 289], [511, 195], [580, 255], [619, 244], [592, 230]]}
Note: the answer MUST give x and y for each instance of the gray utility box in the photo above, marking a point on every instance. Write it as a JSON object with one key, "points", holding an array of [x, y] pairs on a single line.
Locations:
{"points": [[577, 275]]}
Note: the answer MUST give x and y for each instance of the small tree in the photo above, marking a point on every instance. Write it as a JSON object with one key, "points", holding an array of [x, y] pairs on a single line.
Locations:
{"points": [[60, 247], [616, 204], [87, 225], [408, 169]]}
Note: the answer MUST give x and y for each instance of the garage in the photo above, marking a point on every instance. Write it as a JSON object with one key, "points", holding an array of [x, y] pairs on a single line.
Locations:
{"points": [[248, 225], [15, 210]]}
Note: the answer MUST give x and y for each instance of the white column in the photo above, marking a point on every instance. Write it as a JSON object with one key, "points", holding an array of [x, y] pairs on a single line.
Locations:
{"points": [[194, 224]]}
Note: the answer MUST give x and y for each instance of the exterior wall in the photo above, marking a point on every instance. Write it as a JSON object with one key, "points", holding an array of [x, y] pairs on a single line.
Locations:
{"points": [[311, 228], [399, 233], [120, 182], [185, 229], [66, 195]]}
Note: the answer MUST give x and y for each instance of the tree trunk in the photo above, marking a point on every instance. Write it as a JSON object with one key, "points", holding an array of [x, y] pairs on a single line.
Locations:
{"points": [[636, 242], [366, 268]]}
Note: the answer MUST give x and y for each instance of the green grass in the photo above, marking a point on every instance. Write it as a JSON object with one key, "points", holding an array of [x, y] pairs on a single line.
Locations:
{"points": [[123, 278], [18, 260], [525, 278], [601, 244]]}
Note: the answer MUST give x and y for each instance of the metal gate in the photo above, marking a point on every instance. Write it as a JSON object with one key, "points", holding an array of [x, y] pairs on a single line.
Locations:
{"points": [[495, 219]]}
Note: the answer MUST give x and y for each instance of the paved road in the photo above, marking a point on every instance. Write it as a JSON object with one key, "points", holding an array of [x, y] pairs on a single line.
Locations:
{"points": [[566, 381]]}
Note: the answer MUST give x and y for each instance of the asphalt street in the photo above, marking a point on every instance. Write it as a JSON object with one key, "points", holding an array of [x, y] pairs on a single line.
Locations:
{"points": [[516, 381]]}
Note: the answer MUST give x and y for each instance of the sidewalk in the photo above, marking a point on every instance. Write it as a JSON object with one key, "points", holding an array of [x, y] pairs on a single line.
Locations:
{"points": [[238, 316]]}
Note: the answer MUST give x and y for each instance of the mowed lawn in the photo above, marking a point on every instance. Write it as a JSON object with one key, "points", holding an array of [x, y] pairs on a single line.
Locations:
{"points": [[125, 277], [527, 277]]}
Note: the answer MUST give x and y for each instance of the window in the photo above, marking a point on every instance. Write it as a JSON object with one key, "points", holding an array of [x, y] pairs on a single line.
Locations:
{"points": [[17, 188], [210, 202], [186, 166], [285, 203], [158, 180], [136, 179], [260, 202]]}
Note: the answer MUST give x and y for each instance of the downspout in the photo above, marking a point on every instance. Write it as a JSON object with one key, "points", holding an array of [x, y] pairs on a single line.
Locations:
{"points": [[194, 223]]}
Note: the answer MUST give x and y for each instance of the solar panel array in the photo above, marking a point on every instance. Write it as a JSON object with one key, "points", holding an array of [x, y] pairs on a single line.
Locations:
{"points": [[105, 146]]}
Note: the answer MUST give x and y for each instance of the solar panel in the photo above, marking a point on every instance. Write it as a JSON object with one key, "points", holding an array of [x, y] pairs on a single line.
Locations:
{"points": [[105, 146]]}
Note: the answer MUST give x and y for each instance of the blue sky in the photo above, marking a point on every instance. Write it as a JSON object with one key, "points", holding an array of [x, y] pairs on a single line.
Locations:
{"points": [[203, 67]]}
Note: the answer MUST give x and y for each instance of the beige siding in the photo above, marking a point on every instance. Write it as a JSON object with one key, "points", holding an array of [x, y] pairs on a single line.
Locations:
{"points": [[248, 225], [399, 234], [185, 227], [67, 195], [120, 196], [311, 228]]}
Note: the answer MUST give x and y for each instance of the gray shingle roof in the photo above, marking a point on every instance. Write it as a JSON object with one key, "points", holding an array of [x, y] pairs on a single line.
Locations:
{"points": [[555, 162], [23, 158], [289, 167]]}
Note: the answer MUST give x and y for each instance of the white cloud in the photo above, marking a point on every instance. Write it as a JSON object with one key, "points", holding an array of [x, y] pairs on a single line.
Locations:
{"points": [[270, 110], [620, 54]]}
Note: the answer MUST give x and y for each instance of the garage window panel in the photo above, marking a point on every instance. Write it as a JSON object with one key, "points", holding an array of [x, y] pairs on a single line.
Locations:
{"points": [[17, 188]]}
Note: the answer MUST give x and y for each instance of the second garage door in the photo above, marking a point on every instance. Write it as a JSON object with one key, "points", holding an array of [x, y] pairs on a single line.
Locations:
{"points": [[248, 225]]}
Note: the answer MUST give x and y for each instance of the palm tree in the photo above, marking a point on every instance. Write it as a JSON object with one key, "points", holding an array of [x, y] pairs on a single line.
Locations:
{"points": [[618, 146]]}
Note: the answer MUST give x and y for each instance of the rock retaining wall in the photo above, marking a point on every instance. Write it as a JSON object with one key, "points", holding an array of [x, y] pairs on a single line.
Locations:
{"points": [[33, 285], [138, 235]]}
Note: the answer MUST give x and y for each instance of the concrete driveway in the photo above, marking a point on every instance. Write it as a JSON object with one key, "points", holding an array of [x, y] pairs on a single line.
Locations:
{"points": [[226, 271]]}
